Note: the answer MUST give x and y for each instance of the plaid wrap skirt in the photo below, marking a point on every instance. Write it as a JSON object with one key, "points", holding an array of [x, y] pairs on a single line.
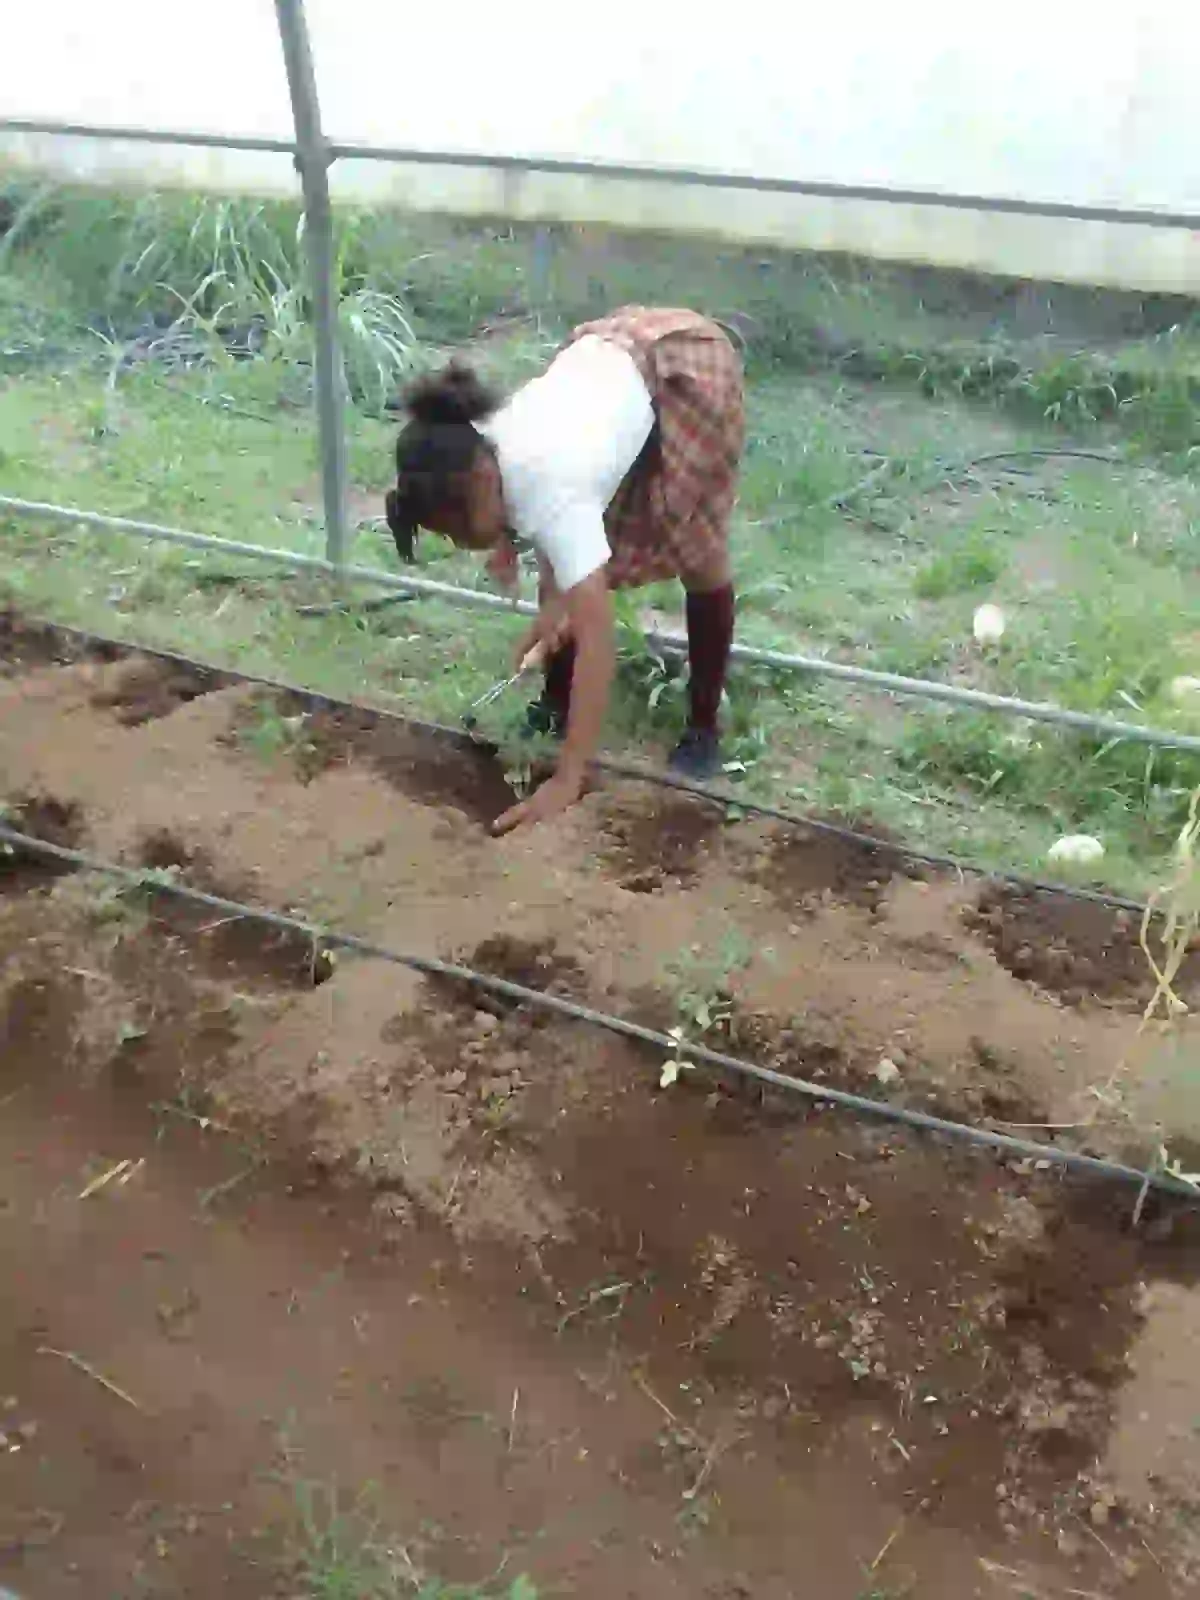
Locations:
{"points": [[670, 517]]}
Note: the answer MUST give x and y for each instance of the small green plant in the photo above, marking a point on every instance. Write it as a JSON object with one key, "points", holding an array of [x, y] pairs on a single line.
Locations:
{"points": [[677, 1061], [341, 1551], [201, 277], [973, 564], [962, 748], [118, 906], [644, 673], [519, 770], [704, 1005], [265, 732]]}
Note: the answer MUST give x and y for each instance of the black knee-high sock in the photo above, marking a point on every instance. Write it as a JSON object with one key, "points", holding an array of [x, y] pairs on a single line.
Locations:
{"points": [[559, 670], [710, 634]]}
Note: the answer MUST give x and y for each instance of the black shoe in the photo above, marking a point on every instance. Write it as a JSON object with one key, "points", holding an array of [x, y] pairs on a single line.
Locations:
{"points": [[545, 720], [697, 756]]}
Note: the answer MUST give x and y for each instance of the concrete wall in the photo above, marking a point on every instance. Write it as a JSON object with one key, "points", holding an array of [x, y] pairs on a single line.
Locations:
{"points": [[1055, 103]]}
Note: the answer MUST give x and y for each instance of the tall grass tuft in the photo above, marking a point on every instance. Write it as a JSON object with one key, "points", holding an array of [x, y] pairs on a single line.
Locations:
{"points": [[1083, 359], [231, 272]]}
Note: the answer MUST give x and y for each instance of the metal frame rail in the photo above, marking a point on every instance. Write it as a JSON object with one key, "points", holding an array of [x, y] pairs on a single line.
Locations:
{"points": [[727, 799], [483, 599]]}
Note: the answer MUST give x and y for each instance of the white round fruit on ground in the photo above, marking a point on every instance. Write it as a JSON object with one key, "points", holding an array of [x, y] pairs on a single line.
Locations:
{"points": [[988, 624], [1078, 849]]}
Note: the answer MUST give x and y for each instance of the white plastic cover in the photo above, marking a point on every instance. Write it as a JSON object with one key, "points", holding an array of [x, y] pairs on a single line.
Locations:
{"points": [[1062, 101]]}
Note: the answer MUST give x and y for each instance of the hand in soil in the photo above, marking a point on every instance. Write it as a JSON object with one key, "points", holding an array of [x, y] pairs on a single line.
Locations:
{"points": [[556, 795]]}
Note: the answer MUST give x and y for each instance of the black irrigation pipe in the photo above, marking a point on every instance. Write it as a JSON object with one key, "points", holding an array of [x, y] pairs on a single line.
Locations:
{"points": [[638, 774], [868, 841], [430, 966]]}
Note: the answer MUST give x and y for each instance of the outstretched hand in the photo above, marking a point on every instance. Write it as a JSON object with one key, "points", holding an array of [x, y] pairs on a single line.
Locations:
{"points": [[584, 614], [556, 795]]}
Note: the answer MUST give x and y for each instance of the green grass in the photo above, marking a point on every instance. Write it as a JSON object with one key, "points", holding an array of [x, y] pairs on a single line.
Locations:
{"points": [[340, 1551], [967, 564], [865, 531]]}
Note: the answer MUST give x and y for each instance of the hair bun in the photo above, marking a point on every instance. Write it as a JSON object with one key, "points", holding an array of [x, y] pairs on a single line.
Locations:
{"points": [[454, 395]]}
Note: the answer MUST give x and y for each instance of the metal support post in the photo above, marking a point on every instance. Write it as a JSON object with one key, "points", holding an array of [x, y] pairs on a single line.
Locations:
{"points": [[312, 161]]}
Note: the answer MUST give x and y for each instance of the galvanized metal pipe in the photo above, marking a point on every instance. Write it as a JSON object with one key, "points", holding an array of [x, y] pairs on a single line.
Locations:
{"points": [[458, 737], [312, 161], [978, 699], [481, 599], [694, 177], [203, 141], [814, 188]]}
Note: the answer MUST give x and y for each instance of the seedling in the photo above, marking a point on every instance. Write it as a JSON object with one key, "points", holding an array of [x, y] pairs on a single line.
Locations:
{"points": [[676, 1062], [518, 774]]}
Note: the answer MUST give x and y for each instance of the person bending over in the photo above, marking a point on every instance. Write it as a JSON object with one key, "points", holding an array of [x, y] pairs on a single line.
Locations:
{"points": [[619, 465]]}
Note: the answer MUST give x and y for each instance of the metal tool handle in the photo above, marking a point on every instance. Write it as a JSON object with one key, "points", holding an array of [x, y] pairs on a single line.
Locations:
{"points": [[531, 658]]}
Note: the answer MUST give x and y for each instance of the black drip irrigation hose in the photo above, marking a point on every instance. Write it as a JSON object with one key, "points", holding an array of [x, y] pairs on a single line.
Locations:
{"points": [[902, 852], [726, 799], [430, 966]]}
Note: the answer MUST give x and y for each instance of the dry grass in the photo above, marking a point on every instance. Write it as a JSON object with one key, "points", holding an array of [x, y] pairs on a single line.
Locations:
{"points": [[1178, 902]]}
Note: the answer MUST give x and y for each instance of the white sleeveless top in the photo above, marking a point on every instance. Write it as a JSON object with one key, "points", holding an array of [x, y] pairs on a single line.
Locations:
{"points": [[564, 443]]}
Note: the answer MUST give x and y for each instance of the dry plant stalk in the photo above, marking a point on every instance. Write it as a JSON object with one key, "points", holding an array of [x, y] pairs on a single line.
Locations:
{"points": [[1179, 904]]}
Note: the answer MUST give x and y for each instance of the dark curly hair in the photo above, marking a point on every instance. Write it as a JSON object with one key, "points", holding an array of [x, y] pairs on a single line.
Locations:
{"points": [[436, 449]]}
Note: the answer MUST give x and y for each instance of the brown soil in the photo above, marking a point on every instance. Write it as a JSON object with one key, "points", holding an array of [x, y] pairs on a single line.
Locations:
{"points": [[1073, 948], [464, 775], [660, 840], [218, 942], [379, 1230], [37, 818], [807, 868], [140, 688], [25, 645]]}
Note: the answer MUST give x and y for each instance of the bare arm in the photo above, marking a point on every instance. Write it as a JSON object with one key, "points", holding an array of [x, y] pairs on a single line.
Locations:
{"points": [[590, 616], [551, 628]]}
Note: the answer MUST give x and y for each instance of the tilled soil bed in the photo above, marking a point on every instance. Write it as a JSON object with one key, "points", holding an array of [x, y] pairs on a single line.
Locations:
{"points": [[633, 1340]]}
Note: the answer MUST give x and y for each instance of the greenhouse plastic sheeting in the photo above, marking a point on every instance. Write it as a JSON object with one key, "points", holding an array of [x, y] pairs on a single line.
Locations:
{"points": [[1038, 105], [1045, 102]]}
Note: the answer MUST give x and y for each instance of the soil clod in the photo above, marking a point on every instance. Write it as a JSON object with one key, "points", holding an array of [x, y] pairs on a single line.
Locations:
{"points": [[805, 869], [1075, 949], [663, 842], [141, 689], [532, 963]]}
